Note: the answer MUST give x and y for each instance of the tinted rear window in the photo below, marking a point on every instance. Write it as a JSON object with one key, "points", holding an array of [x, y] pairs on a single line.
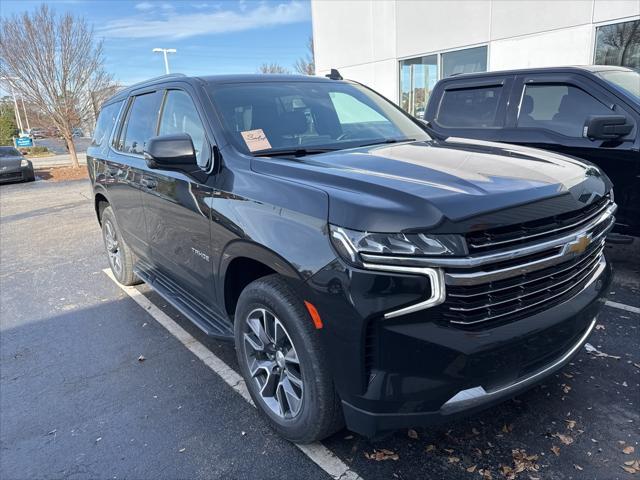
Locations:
{"points": [[141, 123], [469, 107], [105, 124]]}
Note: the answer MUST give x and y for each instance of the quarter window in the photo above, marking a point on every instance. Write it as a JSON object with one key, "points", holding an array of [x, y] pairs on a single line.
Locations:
{"points": [[470, 107], [560, 108], [104, 125], [141, 123], [179, 115]]}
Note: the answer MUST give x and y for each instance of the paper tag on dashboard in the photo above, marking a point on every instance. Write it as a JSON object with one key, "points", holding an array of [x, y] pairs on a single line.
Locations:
{"points": [[255, 140]]}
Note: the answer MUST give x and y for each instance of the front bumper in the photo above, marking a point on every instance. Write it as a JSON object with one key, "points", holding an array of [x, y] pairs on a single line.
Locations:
{"points": [[19, 174], [419, 369]]}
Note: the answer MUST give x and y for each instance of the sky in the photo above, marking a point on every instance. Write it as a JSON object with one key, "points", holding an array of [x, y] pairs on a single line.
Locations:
{"points": [[211, 37]]}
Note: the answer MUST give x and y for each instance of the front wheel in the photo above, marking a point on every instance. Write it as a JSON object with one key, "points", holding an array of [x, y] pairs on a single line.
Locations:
{"points": [[281, 360]]}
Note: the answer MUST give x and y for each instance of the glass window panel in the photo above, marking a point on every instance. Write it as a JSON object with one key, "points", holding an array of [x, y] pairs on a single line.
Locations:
{"points": [[417, 78], [619, 44], [464, 61], [469, 107], [563, 109], [179, 115], [141, 124], [105, 124]]}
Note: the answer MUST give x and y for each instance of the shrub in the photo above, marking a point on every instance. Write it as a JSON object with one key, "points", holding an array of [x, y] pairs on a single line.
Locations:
{"points": [[7, 130]]}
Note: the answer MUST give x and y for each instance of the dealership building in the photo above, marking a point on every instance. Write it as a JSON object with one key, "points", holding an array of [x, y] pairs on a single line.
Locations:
{"points": [[401, 48]]}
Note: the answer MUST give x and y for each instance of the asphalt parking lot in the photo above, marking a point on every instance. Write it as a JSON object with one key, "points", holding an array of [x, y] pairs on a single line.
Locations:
{"points": [[76, 401]]}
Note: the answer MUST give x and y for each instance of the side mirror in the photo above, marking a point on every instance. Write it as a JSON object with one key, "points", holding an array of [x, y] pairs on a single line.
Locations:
{"points": [[171, 152], [607, 127]]}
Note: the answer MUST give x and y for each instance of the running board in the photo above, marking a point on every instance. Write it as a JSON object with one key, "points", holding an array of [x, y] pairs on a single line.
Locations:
{"points": [[202, 317]]}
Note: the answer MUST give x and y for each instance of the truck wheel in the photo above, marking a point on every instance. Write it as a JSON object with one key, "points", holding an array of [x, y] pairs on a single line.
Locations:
{"points": [[120, 255], [282, 362]]}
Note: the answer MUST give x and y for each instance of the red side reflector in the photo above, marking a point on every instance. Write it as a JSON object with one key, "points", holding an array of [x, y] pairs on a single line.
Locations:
{"points": [[315, 316]]}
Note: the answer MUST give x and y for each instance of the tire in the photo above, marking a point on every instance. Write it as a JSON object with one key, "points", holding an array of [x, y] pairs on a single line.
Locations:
{"points": [[121, 258], [317, 413]]}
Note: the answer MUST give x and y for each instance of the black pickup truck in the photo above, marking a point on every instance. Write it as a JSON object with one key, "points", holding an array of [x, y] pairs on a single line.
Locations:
{"points": [[589, 112], [366, 272]]}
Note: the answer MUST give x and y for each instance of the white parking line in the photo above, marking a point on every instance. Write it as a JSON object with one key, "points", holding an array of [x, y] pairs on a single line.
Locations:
{"points": [[321, 455], [622, 306]]}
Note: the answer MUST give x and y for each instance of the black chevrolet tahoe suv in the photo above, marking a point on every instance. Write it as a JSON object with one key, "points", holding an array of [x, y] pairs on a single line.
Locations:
{"points": [[367, 273], [590, 112]]}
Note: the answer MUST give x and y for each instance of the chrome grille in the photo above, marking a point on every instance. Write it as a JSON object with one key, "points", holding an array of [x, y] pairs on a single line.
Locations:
{"points": [[519, 295], [536, 230]]}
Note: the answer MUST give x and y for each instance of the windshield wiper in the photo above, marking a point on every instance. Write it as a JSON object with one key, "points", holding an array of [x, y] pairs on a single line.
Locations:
{"points": [[295, 152], [388, 140]]}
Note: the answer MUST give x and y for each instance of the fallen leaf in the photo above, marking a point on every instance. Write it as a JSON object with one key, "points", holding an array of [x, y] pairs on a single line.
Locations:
{"points": [[568, 375], [448, 450], [577, 467], [594, 351], [182, 450], [471, 469], [566, 439], [475, 431], [629, 469], [454, 459], [141, 358], [412, 434], [628, 450], [507, 428], [486, 474], [600, 327], [566, 388], [429, 448], [570, 424], [381, 455], [556, 450]]}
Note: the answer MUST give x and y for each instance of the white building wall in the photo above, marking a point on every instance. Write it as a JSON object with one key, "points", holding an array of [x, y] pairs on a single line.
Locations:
{"points": [[365, 39]]}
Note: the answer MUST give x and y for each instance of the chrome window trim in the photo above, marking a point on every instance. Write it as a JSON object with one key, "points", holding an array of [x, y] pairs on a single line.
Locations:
{"points": [[436, 279]]}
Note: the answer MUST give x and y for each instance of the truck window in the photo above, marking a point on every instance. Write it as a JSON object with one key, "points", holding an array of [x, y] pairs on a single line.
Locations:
{"points": [[179, 115], [141, 122], [104, 126], [469, 107], [560, 108]]}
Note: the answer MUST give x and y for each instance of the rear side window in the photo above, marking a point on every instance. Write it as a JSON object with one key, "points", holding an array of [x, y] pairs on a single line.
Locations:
{"points": [[141, 123], [104, 125], [561, 108], [470, 107]]}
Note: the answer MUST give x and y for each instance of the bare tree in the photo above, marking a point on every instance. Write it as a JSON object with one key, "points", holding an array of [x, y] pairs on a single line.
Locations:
{"points": [[307, 65], [272, 68], [55, 63]]}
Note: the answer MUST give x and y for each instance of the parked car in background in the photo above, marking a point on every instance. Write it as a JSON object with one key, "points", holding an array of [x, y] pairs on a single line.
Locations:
{"points": [[366, 272], [77, 132], [590, 112], [37, 132], [14, 167]]}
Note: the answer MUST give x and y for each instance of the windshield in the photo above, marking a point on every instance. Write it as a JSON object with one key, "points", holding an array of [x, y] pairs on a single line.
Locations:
{"points": [[273, 116], [9, 152], [628, 80]]}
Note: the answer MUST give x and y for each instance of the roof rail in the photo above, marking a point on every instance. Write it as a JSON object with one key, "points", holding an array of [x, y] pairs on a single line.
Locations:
{"points": [[159, 77]]}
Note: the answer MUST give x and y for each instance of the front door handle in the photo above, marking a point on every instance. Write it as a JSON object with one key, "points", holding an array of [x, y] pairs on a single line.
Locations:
{"points": [[150, 184]]}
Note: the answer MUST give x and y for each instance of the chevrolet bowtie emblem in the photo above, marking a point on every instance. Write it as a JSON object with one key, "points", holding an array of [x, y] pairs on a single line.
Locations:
{"points": [[580, 244]]}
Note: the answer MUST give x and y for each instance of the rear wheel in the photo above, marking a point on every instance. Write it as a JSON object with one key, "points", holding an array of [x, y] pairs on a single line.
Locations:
{"points": [[120, 255], [281, 360]]}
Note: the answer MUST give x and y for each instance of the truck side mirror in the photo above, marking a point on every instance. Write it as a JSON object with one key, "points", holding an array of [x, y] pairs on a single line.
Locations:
{"points": [[171, 152], [607, 127]]}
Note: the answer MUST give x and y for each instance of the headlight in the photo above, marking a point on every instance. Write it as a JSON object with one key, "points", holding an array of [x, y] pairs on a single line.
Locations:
{"points": [[350, 243], [24, 162]]}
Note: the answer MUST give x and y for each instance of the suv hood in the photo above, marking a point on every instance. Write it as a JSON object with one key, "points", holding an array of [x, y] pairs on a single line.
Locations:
{"points": [[442, 185]]}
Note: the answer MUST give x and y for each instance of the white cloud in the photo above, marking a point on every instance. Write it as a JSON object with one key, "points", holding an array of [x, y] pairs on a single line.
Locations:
{"points": [[144, 6], [201, 23]]}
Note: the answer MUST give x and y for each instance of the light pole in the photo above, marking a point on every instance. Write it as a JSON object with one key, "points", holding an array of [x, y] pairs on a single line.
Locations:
{"points": [[164, 51], [16, 111]]}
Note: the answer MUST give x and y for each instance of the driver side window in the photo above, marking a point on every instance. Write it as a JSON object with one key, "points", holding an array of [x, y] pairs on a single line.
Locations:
{"points": [[179, 115]]}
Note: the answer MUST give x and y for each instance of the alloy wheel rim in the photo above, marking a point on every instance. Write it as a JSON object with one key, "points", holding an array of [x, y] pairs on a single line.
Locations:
{"points": [[273, 363], [113, 247]]}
